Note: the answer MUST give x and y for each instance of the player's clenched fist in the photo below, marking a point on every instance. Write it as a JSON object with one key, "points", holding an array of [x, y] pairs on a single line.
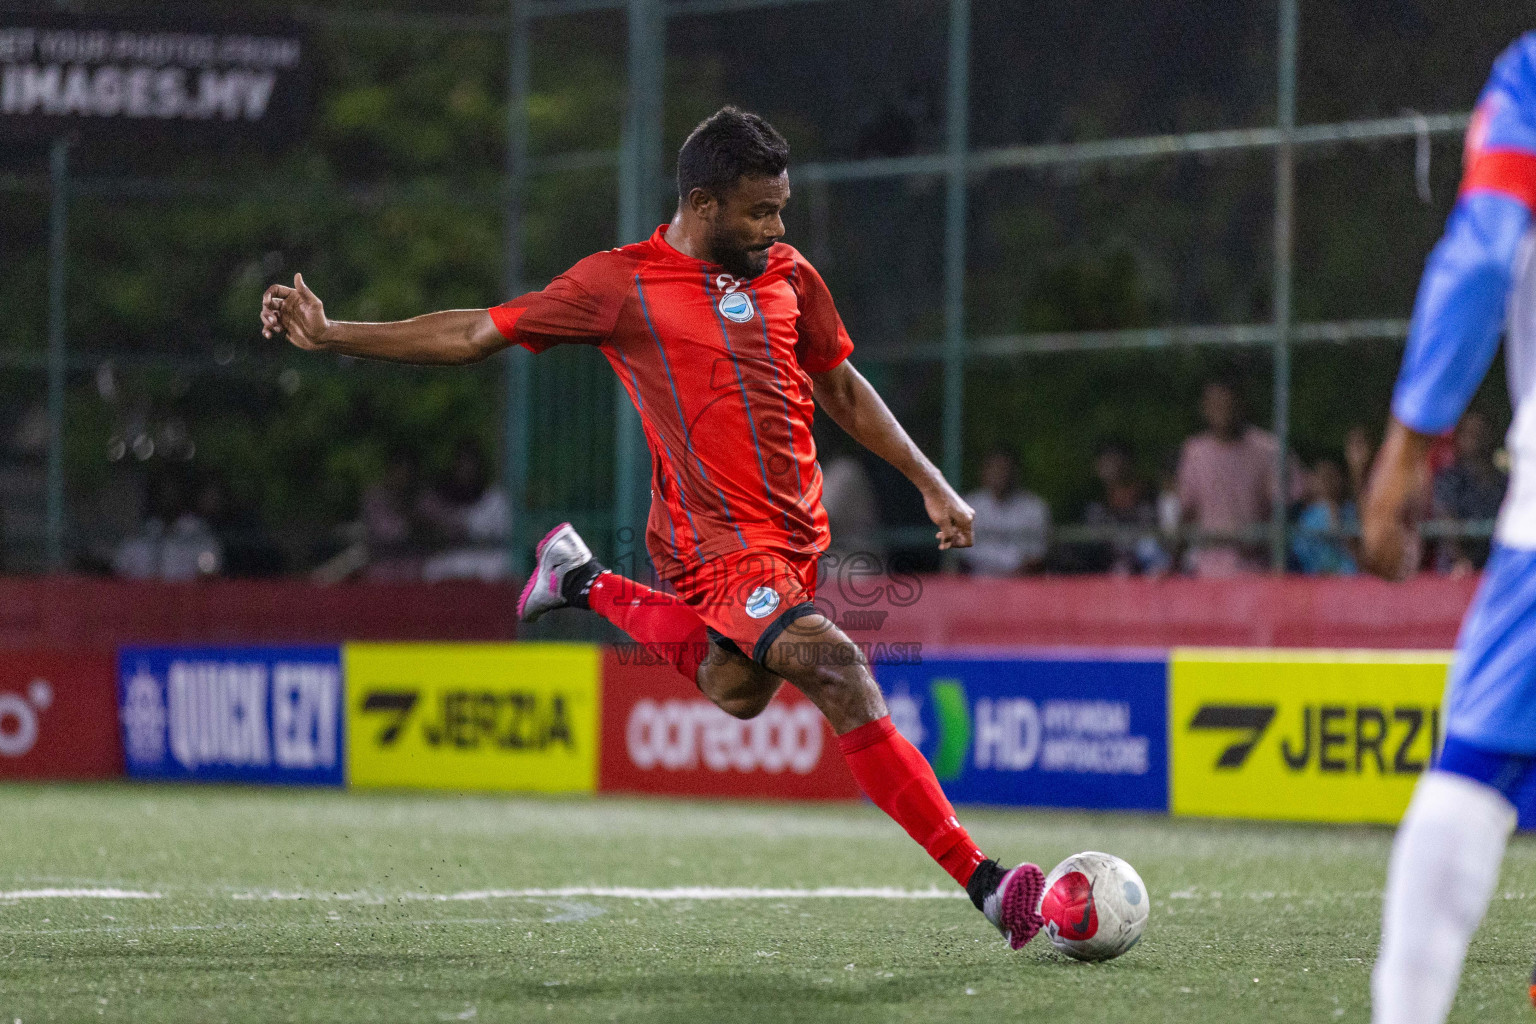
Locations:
{"points": [[952, 516], [296, 312]]}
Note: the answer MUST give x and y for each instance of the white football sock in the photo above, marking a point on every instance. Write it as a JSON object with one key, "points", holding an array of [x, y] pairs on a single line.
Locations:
{"points": [[1445, 863]]}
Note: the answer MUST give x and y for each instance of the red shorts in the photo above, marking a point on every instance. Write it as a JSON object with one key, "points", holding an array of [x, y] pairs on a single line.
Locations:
{"points": [[750, 596]]}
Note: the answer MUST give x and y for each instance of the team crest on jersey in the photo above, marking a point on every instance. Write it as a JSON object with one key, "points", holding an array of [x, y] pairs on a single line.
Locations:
{"points": [[736, 306], [762, 601]]}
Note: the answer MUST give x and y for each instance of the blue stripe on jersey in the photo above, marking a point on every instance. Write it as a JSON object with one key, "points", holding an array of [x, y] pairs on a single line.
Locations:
{"points": [[794, 282], [687, 439], [1459, 312], [640, 405], [746, 403], [782, 384]]}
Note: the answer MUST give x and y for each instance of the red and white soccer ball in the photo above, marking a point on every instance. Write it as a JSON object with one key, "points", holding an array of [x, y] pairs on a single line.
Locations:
{"points": [[1095, 906]]}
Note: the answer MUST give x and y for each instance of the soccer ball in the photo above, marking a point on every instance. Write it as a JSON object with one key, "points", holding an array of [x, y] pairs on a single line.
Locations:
{"points": [[1095, 906]]}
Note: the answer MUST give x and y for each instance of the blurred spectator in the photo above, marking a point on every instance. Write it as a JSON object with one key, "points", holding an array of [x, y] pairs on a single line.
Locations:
{"points": [[853, 513], [1316, 547], [173, 543], [389, 527], [469, 516], [23, 490], [1011, 524], [1227, 485], [247, 549], [1469, 490], [1125, 507]]}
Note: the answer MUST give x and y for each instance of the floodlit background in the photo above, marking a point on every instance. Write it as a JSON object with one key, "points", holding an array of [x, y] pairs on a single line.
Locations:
{"points": [[1047, 228]]}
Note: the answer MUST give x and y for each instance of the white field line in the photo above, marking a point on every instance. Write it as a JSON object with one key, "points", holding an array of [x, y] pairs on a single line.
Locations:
{"points": [[622, 893], [114, 929], [77, 894], [328, 924]]}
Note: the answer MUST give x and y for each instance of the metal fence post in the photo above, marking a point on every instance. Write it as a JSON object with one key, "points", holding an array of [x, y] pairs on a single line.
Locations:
{"points": [[638, 185], [958, 116], [58, 255], [518, 381], [1285, 189]]}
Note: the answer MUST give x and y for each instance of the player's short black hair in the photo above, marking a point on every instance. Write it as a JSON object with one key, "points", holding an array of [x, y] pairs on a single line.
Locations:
{"points": [[726, 146]]}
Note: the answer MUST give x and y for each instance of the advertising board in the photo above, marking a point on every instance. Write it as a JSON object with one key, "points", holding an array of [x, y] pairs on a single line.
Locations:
{"points": [[1302, 735], [1051, 731], [232, 714], [473, 716], [58, 716], [660, 735]]}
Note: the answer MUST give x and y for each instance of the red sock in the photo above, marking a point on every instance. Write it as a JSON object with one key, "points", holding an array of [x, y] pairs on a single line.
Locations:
{"points": [[895, 776], [663, 624]]}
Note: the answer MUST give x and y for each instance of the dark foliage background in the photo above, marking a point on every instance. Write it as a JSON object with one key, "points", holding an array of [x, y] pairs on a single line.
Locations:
{"points": [[390, 202]]}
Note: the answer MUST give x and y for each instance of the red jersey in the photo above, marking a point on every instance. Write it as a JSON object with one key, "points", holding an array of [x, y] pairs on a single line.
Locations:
{"points": [[718, 368]]}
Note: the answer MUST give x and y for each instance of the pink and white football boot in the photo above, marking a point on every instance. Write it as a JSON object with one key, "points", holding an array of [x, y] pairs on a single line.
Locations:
{"points": [[1010, 899], [563, 569]]}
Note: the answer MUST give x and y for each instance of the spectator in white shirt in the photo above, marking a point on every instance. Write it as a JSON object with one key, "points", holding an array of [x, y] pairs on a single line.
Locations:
{"points": [[173, 543], [1011, 524], [470, 518]]}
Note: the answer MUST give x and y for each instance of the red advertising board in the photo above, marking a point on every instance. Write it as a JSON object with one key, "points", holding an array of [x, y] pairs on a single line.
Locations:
{"points": [[660, 735], [58, 716]]}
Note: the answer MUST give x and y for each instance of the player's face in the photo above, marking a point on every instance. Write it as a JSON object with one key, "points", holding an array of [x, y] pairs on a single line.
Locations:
{"points": [[747, 221]]}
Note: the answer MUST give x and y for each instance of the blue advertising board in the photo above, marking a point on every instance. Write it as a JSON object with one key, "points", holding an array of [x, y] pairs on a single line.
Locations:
{"points": [[233, 714], [1053, 731]]}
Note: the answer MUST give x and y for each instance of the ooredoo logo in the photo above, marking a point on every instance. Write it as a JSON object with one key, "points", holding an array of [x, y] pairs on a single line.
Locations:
{"points": [[683, 734], [20, 717]]}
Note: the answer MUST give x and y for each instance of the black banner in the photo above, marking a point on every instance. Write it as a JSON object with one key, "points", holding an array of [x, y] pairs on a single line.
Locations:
{"points": [[117, 76]]}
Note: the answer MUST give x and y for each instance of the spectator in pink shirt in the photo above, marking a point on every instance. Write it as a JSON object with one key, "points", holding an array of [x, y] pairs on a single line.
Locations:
{"points": [[1226, 485]]}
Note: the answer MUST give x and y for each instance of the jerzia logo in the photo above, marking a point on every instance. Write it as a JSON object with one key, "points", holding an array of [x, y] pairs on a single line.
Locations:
{"points": [[1250, 719], [510, 720], [1334, 738]]}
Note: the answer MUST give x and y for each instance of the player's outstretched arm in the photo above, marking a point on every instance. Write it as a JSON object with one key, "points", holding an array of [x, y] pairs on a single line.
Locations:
{"points": [[844, 394], [451, 337]]}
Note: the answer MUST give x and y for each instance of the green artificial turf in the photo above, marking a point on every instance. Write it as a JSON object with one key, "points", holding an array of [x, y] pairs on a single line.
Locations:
{"points": [[1249, 923]]}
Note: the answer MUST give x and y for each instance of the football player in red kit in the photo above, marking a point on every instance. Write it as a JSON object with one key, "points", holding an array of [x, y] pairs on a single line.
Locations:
{"points": [[726, 340]]}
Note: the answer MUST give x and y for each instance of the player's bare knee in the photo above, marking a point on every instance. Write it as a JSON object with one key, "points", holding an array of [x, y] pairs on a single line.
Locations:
{"points": [[835, 683], [744, 708]]}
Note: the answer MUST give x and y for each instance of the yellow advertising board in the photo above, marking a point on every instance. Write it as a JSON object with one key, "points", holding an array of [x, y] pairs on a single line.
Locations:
{"points": [[518, 716], [1302, 735]]}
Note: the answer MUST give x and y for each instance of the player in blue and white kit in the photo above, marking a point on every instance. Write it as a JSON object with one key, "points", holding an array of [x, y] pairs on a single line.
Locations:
{"points": [[1480, 278]]}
